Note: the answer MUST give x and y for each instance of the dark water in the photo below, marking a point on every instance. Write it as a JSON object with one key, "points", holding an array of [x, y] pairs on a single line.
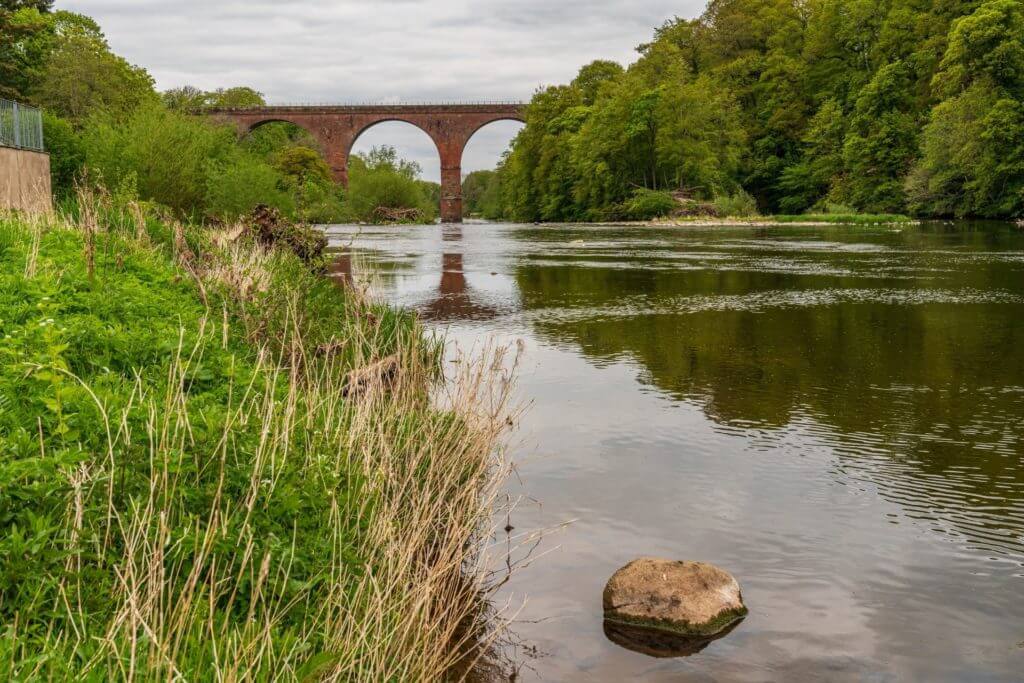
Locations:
{"points": [[836, 415]]}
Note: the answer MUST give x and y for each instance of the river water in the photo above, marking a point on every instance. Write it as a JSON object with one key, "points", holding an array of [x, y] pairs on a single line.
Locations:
{"points": [[835, 415]]}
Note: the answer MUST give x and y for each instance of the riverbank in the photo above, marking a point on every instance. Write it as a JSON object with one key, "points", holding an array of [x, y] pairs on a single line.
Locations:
{"points": [[817, 220], [213, 459]]}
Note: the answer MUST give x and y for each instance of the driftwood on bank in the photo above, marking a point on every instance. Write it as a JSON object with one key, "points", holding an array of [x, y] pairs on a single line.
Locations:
{"points": [[380, 373], [387, 214]]}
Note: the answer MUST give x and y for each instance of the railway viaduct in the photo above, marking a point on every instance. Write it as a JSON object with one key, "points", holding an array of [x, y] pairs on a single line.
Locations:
{"points": [[337, 127]]}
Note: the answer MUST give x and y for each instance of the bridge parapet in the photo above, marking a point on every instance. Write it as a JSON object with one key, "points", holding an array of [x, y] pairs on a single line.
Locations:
{"points": [[336, 128]]}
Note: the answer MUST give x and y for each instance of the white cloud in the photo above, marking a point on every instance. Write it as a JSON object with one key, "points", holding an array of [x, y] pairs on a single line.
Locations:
{"points": [[309, 51]]}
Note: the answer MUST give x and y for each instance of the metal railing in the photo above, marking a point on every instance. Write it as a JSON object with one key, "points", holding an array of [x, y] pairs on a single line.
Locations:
{"points": [[21, 126], [384, 103]]}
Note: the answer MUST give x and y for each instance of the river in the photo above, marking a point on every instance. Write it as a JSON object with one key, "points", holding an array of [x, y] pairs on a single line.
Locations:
{"points": [[835, 415]]}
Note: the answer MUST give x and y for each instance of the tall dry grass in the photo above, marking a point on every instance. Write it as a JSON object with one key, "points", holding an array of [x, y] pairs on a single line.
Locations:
{"points": [[410, 466]]}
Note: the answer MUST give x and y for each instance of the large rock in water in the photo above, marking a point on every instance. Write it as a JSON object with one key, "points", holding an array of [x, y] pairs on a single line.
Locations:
{"points": [[690, 599]]}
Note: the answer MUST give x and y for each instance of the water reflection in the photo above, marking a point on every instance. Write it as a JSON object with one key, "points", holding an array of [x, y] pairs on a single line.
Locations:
{"points": [[660, 644], [837, 415], [455, 300], [341, 268], [923, 395]]}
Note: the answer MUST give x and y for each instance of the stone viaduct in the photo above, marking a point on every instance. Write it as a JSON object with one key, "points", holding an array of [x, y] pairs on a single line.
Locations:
{"points": [[336, 128]]}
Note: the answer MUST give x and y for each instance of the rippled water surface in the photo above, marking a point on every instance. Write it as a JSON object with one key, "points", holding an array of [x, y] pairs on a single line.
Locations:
{"points": [[836, 415]]}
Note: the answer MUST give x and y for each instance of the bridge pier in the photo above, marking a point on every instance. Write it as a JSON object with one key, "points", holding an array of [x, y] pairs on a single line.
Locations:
{"points": [[451, 194]]}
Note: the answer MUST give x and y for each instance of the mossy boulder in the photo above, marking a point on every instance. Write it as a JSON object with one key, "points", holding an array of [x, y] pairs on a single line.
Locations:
{"points": [[689, 599]]}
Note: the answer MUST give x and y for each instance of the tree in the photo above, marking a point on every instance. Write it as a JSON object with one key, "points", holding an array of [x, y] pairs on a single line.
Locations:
{"points": [[239, 97], [882, 143], [303, 165], [593, 76], [820, 171], [83, 77], [382, 180], [184, 99], [988, 45], [15, 5], [190, 99], [973, 146], [481, 194]]}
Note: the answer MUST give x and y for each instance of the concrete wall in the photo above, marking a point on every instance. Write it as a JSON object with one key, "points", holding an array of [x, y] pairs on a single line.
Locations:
{"points": [[25, 180]]}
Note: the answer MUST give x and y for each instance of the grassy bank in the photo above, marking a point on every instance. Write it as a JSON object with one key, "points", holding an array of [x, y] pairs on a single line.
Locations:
{"points": [[216, 465], [847, 218]]}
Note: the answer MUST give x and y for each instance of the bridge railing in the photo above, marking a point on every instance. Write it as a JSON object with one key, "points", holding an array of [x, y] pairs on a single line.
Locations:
{"points": [[21, 126], [404, 103]]}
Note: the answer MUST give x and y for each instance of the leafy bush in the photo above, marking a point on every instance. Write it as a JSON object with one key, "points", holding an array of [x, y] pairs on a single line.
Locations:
{"points": [[383, 181], [739, 205], [236, 185], [67, 156], [185, 163], [646, 204]]}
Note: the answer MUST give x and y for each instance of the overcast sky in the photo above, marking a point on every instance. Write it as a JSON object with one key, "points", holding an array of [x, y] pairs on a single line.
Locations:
{"points": [[339, 51]]}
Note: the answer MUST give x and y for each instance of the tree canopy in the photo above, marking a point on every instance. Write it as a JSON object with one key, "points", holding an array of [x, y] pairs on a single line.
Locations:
{"points": [[804, 104]]}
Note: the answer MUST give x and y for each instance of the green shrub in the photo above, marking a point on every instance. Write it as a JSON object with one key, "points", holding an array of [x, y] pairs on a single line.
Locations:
{"points": [[738, 205], [237, 185], [67, 156], [381, 181], [646, 204], [185, 163]]}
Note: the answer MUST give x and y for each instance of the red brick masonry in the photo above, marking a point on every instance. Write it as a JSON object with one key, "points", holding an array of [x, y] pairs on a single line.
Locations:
{"points": [[337, 127]]}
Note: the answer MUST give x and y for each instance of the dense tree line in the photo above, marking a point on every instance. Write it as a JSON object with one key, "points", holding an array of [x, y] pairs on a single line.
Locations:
{"points": [[870, 105], [105, 123]]}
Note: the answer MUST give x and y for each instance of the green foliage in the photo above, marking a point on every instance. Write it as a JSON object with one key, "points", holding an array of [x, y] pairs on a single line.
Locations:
{"points": [[973, 157], [236, 184], [67, 155], [19, 65], [972, 150], [853, 218], [801, 104], [987, 44], [592, 78], [13, 5], [647, 204], [191, 99], [82, 77], [137, 429], [882, 142], [740, 204], [481, 194], [181, 162], [302, 164], [381, 181]]}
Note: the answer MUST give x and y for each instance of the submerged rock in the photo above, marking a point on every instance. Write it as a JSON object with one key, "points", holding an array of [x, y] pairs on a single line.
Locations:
{"points": [[691, 600]]}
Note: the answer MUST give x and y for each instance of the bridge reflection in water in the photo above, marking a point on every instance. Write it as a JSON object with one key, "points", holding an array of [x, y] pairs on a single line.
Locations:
{"points": [[453, 300]]}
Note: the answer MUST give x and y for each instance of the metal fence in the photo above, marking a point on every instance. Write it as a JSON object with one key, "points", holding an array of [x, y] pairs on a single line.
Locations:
{"points": [[21, 126]]}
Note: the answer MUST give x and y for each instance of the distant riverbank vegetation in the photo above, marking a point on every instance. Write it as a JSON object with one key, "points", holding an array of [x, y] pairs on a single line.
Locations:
{"points": [[104, 121], [783, 107]]}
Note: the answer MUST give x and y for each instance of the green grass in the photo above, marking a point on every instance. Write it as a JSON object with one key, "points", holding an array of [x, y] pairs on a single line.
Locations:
{"points": [[854, 218], [202, 469]]}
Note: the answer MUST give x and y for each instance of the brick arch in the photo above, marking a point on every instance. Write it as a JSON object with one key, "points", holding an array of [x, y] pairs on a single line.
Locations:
{"points": [[337, 127], [373, 124], [472, 134]]}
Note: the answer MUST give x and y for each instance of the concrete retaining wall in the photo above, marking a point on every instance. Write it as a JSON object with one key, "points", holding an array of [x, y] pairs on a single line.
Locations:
{"points": [[25, 180]]}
